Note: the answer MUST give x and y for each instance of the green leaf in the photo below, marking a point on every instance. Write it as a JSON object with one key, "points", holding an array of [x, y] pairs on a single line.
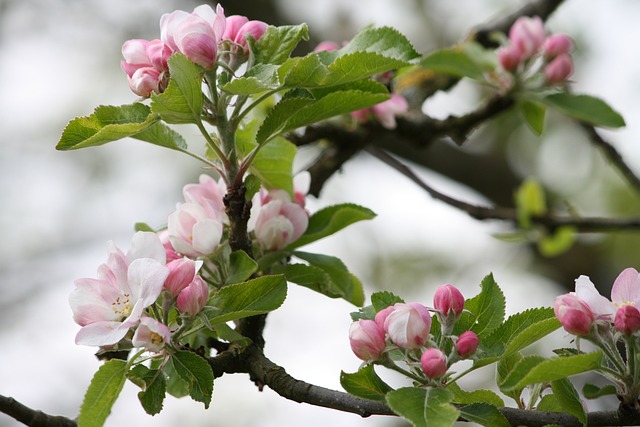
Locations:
{"points": [[385, 41], [485, 311], [557, 243], [277, 43], [530, 201], [517, 332], [533, 114], [182, 101], [585, 108], [568, 397], [197, 373], [308, 276], [307, 71], [456, 61], [242, 266], [102, 393], [549, 403], [476, 396], [429, 407], [591, 391], [330, 220], [256, 296], [503, 369], [535, 369], [383, 299], [484, 414], [365, 383], [142, 226], [343, 284], [274, 164], [176, 386], [357, 66], [292, 113], [154, 388]]}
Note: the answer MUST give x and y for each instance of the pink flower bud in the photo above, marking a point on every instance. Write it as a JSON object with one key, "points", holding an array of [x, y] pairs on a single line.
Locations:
{"points": [[181, 273], [387, 111], [151, 334], [367, 340], [559, 69], [527, 36], [207, 192], [145, 81], [328, 46], [574, 314], [448, 301], [467, 344], [145, 63], [193, 298], [280, 223], [627, 320], [408, 325], [168, 248], [255, 29], [194, 230], [509, 58], [557, 44], [382, 315], [434, 363]]}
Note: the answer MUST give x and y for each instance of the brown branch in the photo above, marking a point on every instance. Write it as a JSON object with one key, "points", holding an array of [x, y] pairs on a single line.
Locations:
{"points": [[31, 417]]}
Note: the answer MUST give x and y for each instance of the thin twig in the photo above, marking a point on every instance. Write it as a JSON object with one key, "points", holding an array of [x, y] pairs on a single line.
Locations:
{"points": [[31, 417]]}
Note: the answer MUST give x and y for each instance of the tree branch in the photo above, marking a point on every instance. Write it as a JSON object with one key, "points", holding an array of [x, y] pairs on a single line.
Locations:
{"points": [[31, 417]]}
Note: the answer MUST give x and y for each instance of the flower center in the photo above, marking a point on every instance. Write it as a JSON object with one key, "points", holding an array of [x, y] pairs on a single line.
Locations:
{"points": [[156, 338], [122, 306]]}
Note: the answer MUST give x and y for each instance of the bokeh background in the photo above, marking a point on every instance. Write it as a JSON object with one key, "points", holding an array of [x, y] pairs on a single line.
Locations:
{"points": [[60, 58]]}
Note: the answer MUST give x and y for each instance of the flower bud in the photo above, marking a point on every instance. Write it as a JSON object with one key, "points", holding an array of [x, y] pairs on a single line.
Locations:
{"points": [[328, 46], [408, 325], [448, 301], [574, 314], [386, 112], [434, 363], [194, 230], [151, 334], [367, 340], [181, 273], [627, 320], [559, 69], [193, 298], [527, 36], [280, 223], [557, 44], [467, 343], [382, 315], [509, 58]]}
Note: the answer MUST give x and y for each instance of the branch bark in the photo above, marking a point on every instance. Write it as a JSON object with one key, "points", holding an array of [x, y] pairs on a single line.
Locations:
{"points": [[32, 417]]}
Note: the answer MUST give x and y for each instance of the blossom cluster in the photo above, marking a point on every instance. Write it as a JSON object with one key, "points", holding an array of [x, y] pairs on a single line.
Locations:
{"points": [[204, 36], [161, 272], [530, 50], [407, 327]]}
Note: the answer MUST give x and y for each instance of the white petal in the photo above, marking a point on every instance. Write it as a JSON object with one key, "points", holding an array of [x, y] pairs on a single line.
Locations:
{"points": [[145, 244], [146, 278]]}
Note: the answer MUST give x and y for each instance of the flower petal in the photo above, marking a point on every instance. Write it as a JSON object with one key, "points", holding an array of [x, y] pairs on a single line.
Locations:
{"points": [[146, 278], [626, 288], [587, 292], [101, 333]]}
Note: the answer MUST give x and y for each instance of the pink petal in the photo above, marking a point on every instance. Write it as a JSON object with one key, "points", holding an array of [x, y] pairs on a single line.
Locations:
{"points": [[587, 292], [146, 279], [101, 333], [626, 288]]}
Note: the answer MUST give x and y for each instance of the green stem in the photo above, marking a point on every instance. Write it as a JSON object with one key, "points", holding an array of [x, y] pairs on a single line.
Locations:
{"points": [[388, 363], [238, 116], [212, 144]]}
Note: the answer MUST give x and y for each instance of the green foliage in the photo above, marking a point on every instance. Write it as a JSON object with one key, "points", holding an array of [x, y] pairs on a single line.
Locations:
{"points": [[197, 373], [242, 266], [365, 383], [277, 43], [385, 41], [274, 165], [569, 399], [256, 296], [559, 242], [585, 108], [330, 220], [429, 407], [383, 299], [182, 101], [530, 201], [476, 396], [153, 385], [484, 312], [484, 414], [591, 391], [102, 393], [533, 114], [459, 61]]}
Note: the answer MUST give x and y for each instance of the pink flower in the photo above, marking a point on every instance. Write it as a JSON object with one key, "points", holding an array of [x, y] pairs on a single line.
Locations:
{"points": [[448, 301], [574, 314], [279, 224], [238, 27], [151, 334], [559, 69], [145, 63], [181, 273], [301, 184], [194, 230], [382, 315], [108, 306], [196, 35], [626, 288], [408, 325], [527, 36], [207, 192], [557, 44], [627, 320], [327, 46], [168, 248], [193, 298], [434, 363], [509, 58], [467, 343], [385, 112], [367, 340], [601, 307]]}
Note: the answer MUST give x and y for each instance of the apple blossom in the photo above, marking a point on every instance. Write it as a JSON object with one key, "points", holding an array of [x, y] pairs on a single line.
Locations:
{"points": [[382, 315], [108, 306], [626, 288], [194, 230], [448, 301], [170, 252], [467, 343], [279, 224], [238, 27], [627, 320], [527, 36], [434, 363], [408, 325], [151, 334], [574, 314], [509, 58], [193, 297], [557, 44], [367, 340], [145, 63], [181, 273], [559, 69], [385, 112], [601, 307], [207, 192]]}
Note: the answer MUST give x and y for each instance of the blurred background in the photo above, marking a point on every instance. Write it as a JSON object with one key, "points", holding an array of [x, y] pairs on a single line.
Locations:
{"points": [[60, 58]]}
